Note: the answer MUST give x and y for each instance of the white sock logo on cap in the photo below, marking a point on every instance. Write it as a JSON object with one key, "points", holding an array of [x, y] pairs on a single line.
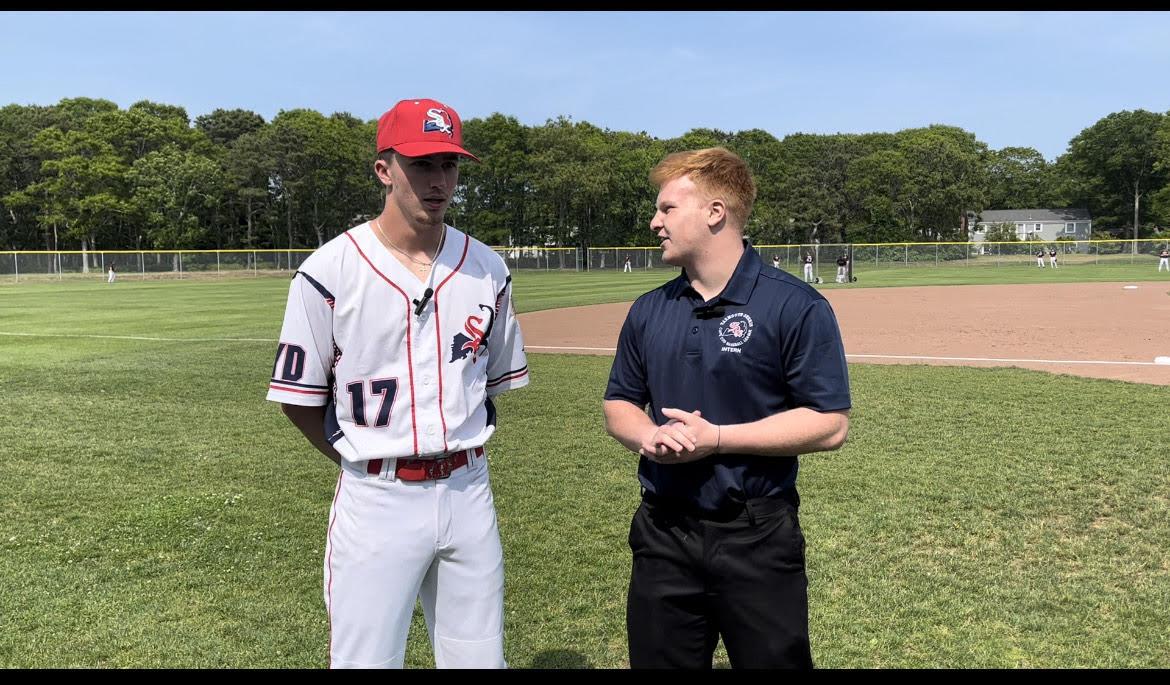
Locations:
{"points": [[437, 121]]}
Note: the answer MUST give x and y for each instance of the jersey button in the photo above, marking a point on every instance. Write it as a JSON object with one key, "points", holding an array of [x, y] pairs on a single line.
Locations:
{"points": [[430, 430], [426, 380], [694, 329]]}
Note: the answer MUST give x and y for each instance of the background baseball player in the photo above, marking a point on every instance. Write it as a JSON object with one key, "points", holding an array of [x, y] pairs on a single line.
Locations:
{"points": [[113, 275], [1164, 259], [1040, 258], [808, 267], [775, 261], [396, 335], [1052, 257], [842, 269]]}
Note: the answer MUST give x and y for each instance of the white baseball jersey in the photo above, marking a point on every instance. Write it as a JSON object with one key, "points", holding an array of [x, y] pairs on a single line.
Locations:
{"points": [[400, 383]]}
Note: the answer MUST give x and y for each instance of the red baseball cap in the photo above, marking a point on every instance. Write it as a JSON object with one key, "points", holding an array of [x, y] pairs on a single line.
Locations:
{"points": [[415, 128]]}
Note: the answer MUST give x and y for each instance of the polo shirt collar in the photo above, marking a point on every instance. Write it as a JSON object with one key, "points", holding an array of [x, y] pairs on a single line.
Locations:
{"points": [[742, 282]]}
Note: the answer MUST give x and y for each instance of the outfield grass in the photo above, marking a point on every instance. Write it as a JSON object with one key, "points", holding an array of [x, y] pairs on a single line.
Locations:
{"points": [[244, 307], [893, 276], [155, 511], [535, 290]]}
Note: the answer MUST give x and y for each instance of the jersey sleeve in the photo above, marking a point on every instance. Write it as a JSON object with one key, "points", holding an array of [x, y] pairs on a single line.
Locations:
{"points": [[507, 362], [302, 372]]}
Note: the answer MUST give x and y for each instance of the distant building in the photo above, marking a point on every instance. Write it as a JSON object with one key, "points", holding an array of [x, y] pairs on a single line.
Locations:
{"points": [[1036, 224]]}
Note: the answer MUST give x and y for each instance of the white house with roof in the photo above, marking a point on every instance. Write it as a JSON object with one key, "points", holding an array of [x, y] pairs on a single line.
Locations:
{"points": [[1036, 224]]}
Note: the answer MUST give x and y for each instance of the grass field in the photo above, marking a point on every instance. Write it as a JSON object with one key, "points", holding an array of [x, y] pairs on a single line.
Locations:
{"points": [[543, 290], [155, 511], [535, 289]]}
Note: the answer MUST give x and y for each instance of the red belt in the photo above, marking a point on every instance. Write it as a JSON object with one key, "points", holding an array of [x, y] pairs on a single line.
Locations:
{"points": [[426, 469]]}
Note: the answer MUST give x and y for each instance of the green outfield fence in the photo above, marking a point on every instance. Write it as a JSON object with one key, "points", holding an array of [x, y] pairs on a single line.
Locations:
{"points": [[147, 264]]}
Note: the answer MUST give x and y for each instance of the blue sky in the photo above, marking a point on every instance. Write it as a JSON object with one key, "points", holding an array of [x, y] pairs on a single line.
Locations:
{"points": [[1031, 79]]}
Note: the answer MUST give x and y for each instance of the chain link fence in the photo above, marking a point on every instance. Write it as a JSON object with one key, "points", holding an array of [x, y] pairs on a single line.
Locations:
{"points": [[146, 265], [541, 258], [180, 264]]}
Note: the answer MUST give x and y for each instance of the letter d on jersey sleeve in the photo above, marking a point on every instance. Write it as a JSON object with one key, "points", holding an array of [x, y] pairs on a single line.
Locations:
{"points": [[302, 371], [507, 363]]}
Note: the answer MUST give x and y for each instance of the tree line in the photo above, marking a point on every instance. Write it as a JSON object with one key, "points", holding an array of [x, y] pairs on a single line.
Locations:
{"points": [[86, 174]]}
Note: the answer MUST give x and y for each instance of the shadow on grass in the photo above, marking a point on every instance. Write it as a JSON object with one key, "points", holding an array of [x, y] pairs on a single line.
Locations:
{"points": [[561, 658]]}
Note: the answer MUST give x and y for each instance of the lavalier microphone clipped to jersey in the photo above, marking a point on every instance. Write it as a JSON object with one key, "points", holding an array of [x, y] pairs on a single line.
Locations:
{"points": [[420, 304]]}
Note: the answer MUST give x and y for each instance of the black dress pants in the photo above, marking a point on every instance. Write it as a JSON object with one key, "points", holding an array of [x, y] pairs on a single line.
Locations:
{"points": [[696, 576]]}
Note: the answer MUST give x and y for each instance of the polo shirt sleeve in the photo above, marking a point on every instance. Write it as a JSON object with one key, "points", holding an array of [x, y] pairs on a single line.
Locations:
{"points": [[814, 361], [627, 377]]}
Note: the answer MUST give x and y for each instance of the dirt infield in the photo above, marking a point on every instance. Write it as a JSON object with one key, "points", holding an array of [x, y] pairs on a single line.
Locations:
{"points": [[1100, 330]]}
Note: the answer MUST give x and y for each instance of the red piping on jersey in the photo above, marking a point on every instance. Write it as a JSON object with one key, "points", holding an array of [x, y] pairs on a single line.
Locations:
{"points": [[273, 386], [329, 538], [439, 336], [409, 356]]}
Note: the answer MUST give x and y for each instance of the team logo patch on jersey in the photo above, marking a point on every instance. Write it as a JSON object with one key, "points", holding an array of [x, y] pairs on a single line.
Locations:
{"points": [[438, 120], [473, 342], [735, 330]]}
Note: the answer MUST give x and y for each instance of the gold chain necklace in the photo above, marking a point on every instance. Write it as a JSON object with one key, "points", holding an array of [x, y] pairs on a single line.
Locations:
{"points": [[426, 266]]}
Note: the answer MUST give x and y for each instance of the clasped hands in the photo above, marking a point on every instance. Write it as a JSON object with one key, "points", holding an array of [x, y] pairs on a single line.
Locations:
{"points": [[686, 437]]}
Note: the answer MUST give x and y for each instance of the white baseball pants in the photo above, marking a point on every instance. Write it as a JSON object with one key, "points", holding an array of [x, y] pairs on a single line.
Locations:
{"points": [[808, 274], [1163, 262], [391, 541]]}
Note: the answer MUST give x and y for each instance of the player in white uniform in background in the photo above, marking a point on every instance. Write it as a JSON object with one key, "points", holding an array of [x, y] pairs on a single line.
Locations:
{"points": [[808, 267], [1164, 259], [1052, 258], [396, 335], [113, 275]]}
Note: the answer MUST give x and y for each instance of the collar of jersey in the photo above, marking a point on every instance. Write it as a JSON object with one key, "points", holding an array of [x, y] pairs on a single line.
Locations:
{"points": [[378, 248]]}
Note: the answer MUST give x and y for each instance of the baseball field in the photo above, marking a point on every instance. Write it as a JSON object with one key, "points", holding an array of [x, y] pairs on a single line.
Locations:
{"points": [[155, 511]]}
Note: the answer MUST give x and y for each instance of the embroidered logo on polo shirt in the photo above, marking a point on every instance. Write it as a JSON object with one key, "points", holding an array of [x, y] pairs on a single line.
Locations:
{"points": [[734, 331]]}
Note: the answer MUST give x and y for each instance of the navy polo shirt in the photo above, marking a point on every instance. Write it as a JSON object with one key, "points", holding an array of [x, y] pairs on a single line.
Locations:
{"points": [[769, 342]]}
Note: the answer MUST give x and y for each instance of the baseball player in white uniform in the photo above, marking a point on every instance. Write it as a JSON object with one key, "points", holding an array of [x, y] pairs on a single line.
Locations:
{"points": [[396, 336], [808, 267]]}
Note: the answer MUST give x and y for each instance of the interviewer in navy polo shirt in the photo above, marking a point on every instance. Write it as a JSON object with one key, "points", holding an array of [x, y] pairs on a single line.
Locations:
{"points": [[742, 368]]}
